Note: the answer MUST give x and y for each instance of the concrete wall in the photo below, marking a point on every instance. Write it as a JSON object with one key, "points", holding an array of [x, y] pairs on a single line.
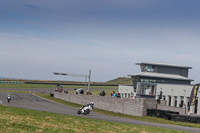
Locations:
{"points": [[134, 107]]}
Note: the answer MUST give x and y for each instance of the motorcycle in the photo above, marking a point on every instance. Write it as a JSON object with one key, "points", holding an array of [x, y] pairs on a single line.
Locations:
{"points": [[85, 109], [8, 98]]}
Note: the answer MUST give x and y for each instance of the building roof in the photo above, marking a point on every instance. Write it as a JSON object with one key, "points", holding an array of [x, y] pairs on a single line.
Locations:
{"points": [[161, 75], [163, 64]]}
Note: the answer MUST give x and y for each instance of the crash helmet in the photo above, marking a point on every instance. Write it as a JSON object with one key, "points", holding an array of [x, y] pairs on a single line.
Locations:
{"points": [[91, 103]]}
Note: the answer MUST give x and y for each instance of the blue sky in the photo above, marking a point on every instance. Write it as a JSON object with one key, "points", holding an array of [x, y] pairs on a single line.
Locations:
{"points": [[39, 37]]}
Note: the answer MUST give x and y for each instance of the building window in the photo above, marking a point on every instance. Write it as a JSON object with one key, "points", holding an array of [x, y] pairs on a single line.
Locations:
{"points": [[148, 81], [149, 68], [147, 89]]}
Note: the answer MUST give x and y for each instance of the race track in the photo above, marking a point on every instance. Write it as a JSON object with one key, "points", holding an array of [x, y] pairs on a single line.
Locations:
{"points": [[30, 101]]}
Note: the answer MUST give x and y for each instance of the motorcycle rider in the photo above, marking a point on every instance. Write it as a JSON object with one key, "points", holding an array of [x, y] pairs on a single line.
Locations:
{"points": [[92, 104], [85, 109], [8, 97]]}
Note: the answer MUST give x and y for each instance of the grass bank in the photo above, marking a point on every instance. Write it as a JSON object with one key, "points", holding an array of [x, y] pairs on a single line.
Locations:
{"points": [[14, 120]]}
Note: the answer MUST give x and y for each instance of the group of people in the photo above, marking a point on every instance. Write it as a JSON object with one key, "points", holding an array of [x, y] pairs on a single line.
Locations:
{"points": [[81, 91], [65, 91], [113, 94], [89, 93], [102, 93]]}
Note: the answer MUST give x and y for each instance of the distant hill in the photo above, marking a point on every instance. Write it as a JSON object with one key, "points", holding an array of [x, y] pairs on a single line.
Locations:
{"points": [[121, 81], [117, 81]]}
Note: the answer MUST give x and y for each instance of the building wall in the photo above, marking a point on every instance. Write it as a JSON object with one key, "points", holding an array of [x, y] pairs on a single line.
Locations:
{"points": [[126, 91], [134, 107], [175, 90], [167, 89]]}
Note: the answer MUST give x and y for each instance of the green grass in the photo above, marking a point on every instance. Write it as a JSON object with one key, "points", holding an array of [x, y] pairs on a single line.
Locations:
{"points": [[14, 91], [143, 118], [13, 120], [27, 86], [116, 81]]}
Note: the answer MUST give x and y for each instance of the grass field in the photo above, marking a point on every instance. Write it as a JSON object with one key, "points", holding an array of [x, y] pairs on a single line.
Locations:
{"points": [[116, 81], [19, 120], [30, 86]]}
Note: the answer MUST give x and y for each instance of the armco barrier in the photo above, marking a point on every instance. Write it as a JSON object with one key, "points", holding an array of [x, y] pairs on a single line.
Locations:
{"points": [[135, 107]]}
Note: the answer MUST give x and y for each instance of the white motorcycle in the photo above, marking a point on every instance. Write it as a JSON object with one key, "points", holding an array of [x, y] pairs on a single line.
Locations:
{"points": [[8, 98], [86, 109]]}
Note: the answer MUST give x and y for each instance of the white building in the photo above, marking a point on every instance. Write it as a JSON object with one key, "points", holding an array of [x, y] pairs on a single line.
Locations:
{"points": [[169, 79]]}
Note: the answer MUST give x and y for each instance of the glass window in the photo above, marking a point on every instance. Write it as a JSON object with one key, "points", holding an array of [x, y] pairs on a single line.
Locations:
{"points": [[148, 89], [148, 81], [149, 68]]}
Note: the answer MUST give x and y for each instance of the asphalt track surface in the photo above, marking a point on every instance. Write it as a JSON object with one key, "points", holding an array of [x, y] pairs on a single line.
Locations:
{"points": [[33, 102]]}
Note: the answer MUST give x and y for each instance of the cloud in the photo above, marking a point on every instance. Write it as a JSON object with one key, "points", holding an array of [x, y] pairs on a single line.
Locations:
{"points": [[43, 41], [10, 35], [34, 7]]}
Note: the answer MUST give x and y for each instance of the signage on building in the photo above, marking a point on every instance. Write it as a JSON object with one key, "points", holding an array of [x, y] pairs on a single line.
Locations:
{"points": [[193, 95]]}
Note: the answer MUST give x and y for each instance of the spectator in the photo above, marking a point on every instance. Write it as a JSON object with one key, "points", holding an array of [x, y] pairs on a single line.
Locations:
{"points": [[103, 93], [81, 91], [65, 91], [88, 93], [113, 94], [134, 89], [51, 94], [118, 95], [76, 92]]}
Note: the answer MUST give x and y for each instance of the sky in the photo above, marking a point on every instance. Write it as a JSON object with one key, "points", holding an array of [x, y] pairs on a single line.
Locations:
{"points": [[39, 37]]}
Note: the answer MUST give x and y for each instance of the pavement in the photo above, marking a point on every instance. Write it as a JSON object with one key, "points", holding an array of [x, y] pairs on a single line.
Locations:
{"points": [[33, 102]]}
